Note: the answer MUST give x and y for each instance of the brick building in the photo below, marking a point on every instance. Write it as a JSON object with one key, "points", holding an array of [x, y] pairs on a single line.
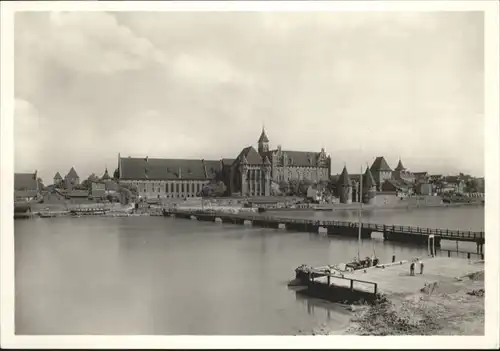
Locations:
{"points": [[166, 178], [251, 173]]}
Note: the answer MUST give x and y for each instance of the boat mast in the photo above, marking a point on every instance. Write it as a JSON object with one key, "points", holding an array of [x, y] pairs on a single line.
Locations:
{"points": [[359, 210]]}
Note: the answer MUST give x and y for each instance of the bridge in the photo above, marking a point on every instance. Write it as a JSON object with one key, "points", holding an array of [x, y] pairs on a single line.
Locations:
{"points": [[411, 234]]}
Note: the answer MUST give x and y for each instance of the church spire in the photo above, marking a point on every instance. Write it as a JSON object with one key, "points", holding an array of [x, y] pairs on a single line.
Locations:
{"points": [[263, 143]]}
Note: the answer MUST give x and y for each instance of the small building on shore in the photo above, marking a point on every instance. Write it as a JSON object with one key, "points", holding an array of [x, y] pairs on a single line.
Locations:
{"points": [[26, 187], [403, 174], [98, 190]]}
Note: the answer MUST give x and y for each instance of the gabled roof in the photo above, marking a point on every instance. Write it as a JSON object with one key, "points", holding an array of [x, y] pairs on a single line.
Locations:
{"points": [[57, 176], [400, 166], [263, 137], [380, 164], [397, 184], [25, 181], [368, 180], [421, 174], [251, 155], [93, 178], [163, 169], [105, 176], [227, 161], [344, 178], [72, 174], [301, 158]]}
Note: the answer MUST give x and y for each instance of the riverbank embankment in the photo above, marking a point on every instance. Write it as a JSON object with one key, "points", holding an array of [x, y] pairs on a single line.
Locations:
{"points": [[447, 299]]}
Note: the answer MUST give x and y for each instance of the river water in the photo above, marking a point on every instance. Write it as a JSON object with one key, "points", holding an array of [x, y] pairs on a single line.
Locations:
{"points": [[156, 275]]}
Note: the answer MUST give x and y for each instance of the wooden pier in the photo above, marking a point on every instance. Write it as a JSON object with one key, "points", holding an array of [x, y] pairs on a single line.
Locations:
{"points": [[391, 279], [399, 233]]}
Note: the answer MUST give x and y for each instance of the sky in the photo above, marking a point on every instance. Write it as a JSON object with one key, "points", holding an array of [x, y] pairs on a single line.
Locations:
{"points": [[92, 85]]}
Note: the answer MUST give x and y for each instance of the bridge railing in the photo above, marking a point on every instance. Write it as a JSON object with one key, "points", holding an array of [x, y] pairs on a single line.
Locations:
{"points": [[445, 233]]}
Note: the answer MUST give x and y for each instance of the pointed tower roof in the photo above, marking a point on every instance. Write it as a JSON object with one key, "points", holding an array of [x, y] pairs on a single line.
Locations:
{"points": [[400, 166], [380, 164], [368, 180], [344, 178], [263, 137], [57, 176], [266, 161], [106, 176], [72, 173]]}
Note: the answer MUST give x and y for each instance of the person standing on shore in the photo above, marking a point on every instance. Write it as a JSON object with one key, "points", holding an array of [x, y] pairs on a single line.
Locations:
{"points": [[421, 266], [412, 268]]}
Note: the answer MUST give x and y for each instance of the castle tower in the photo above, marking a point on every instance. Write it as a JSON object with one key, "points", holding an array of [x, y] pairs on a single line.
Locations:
{"points": [[400, 166], [263, 142], [369, 187], [244, 175], [344, 187], [267, 176]]}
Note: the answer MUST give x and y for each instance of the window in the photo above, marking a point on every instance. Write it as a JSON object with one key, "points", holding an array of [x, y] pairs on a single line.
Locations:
{"points": [[182, 188]]}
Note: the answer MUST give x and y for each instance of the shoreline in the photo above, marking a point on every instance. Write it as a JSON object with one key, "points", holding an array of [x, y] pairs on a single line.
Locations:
{"points": [[453, 307]]}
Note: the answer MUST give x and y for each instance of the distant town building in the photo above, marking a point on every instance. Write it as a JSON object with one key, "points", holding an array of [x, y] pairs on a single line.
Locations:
{"points": [[424, 189], [422, 177], [380, 171], [97, 190], [26, 187], [72, 178], [105, 176], [401, 188], [401, 173], [452, 184], [57, 179]]}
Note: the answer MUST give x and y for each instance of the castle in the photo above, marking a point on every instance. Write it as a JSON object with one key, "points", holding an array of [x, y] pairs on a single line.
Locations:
{"points": [[252, 173]]}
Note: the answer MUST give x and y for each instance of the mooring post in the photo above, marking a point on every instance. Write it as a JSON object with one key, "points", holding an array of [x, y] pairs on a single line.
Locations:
{"points": [[449, 253], [375, 289], [352, 284], [468, 255], [457, 246], [328, 278]]}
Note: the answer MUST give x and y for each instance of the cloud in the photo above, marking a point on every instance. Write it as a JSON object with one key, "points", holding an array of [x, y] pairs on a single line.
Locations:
{"points": [[201, 84], [28, 139], [88, 42]]}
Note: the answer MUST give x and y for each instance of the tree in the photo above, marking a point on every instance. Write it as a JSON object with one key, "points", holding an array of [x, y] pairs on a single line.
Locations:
{"points": [[293, 187], [284, 187], [86, 184], [303, 186], [214, 189]]}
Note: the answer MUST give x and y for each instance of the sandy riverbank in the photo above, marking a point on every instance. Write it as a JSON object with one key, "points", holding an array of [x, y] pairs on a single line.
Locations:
{"points": [[446, 308]]}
